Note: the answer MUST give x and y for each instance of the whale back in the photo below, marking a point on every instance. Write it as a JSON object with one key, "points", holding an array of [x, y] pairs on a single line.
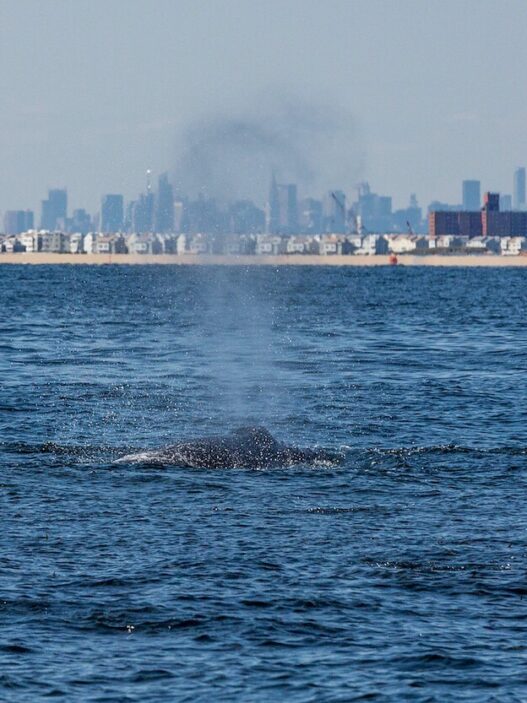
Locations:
{"points": [[256, 437], [244, 447]]}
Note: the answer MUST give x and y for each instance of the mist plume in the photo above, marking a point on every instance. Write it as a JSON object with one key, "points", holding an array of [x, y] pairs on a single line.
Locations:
{"points": [[232, 156]]}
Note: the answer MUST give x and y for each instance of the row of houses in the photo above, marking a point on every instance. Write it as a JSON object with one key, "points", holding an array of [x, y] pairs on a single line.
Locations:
{"points": [[152, 244], [259, 244], [452, 244]]}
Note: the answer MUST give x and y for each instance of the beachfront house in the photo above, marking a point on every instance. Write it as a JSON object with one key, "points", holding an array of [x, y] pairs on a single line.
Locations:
{"points": [[373, 244], [298, 245], [406, 243], [54, 242], [513, 246], [199, 244], [269, 244], [29, 241]]}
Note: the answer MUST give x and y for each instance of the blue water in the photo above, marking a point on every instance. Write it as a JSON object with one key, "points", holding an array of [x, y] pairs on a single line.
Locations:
{"points": [[398, 575]]}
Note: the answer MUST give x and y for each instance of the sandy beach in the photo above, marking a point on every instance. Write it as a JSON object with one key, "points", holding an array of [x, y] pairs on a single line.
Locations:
{"points": [[293, 260]]}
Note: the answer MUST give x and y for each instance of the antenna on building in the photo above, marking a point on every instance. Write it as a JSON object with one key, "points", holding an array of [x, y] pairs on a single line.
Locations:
{"points": [[148, 180]]}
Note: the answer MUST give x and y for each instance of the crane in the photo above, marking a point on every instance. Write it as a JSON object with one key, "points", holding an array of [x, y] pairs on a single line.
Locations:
{"points": [[346, 216]]}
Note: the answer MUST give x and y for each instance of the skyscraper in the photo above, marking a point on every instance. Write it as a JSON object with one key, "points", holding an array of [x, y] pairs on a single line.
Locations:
{"points": [[164, 220], [272, 209], [471, 196], [335, 212], [491, 202], [112, 213], [17, 221], [518, 191], [287, 208], [375, 210], [310, 216], [245, 218], [142, 213], [55, 208], [505, 202]]}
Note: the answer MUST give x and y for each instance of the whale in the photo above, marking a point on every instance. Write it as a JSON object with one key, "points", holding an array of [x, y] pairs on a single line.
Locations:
{"points": [[245, 447]]}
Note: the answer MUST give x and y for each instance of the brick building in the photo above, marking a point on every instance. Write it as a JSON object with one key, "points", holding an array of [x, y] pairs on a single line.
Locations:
{"points": [[456, 222], [487, 222]]}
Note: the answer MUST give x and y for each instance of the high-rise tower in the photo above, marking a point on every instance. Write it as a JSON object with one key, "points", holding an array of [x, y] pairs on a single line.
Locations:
{"points": [[272, 219], [287, 209], [164, 219], [471, 196], [54, 209], [518, 192], [112, 213]]}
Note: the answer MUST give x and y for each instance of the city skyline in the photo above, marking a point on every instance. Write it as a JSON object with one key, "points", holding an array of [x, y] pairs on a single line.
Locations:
{"points": [[287, 211], [512, 197], [136, 83]]}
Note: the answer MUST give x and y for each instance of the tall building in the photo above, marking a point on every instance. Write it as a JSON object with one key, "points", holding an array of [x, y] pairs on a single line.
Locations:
{"points": [[505, 202], [142, 213], [374, 210], [179, 215], [457, 222], [502, 224], [80, 222], [410, 218], [17, 221], [310, 216], [54, 209], [112, 213], [287, 209], [471, 195], [282, 209], [164, 219], [203, 215], [334, 212], [246, 218], [518, 192], [272, 216], [491, 202], [129, 215], [490, 221]]}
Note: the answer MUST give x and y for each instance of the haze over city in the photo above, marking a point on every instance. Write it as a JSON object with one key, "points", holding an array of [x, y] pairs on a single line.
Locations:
{"points": [[263, 415], [411, 98]]}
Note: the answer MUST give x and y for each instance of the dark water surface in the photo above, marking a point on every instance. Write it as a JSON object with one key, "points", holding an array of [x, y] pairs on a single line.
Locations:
{"points": [[399, 575]]}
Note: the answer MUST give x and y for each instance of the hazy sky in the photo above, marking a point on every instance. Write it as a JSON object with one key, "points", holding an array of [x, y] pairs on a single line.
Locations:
{"points": [[94, 92]]}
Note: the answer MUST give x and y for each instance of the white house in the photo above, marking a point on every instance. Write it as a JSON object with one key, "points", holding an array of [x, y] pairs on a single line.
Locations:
{"points": [[269, 244], [88, 243], [199, 244], [29, 240], [405, 243], [512, 246], [76, 243], [297, 245], [373, 244]]}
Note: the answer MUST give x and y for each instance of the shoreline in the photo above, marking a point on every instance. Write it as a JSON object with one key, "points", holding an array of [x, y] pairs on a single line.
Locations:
{"points": [[473, 260]]}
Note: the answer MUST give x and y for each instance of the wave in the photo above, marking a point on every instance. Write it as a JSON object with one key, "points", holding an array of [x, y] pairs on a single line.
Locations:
{"points": [[436, 567], [444, 449], [81, 451], [358, 457]]}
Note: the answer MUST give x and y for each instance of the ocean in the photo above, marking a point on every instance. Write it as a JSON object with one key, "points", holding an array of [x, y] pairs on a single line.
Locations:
{"points": [[398, 574]]}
